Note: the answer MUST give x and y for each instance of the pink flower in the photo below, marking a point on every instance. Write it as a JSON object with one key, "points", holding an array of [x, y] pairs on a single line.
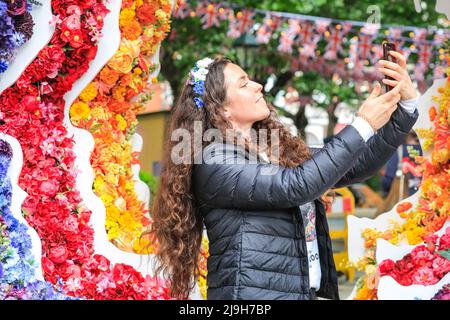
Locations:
{"points": [[424, 276], [45, 88], [421, 254], [441, 266], [70, 224], [49, 188], [74, 10], [72, 22]]}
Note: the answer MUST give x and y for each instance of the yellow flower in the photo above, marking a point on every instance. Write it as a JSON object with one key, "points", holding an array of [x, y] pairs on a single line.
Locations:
{"points": [[148, 32], [370, 269], [161, 15], [122, 124], [126, 16], [99, 113], [132, 47], [89, 93], [79, 110], [99, 184], [107, 199]]}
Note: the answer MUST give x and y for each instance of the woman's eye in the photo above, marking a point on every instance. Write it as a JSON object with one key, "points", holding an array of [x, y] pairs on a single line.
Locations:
{"points": [[245, 85]]}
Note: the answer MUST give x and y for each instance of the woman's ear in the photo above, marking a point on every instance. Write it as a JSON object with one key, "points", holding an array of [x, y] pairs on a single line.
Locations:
{"points": [[227, 111]]}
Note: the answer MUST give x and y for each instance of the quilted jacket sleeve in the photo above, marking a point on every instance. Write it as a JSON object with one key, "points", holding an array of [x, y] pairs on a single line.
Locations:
{"points": [[220, 182], [381, 147]]}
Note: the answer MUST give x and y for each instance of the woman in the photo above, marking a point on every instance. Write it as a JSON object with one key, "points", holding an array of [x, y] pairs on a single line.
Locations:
{"points": [[265, 221]]}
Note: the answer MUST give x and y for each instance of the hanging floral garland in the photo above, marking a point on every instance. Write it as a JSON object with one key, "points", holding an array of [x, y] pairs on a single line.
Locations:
{"points": [[433, 209], [33, 113], [104, 108], [16, 28]]}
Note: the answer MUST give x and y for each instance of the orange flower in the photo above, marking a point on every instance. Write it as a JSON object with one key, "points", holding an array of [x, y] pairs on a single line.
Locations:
{"points": [[146, 14], [109, 76], [121, 62], [132, 31], [432, 113], [118, 106], [404, 206]]}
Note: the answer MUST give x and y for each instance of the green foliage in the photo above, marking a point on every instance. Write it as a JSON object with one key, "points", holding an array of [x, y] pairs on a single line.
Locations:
{"points": [[151, 181]]}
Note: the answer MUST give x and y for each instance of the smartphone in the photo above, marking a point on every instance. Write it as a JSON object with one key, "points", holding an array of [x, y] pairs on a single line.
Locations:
{"points": [[388, 46]]}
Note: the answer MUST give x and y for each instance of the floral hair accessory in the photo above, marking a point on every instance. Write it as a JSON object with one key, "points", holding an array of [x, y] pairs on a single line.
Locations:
{"points": [[198, 77]]}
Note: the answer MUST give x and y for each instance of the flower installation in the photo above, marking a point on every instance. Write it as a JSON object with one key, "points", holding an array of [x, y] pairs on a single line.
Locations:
{"points": [[33, 113], [16, 28], [425, 265], [17, 264], [433, 208], [105, 109]]}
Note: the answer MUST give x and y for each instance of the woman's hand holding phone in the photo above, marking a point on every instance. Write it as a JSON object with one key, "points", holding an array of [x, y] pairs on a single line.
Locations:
{"points": [[398, 73]]}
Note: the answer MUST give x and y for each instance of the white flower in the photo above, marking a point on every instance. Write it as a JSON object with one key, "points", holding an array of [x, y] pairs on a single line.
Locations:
{"points": [[200, 74], [204, 63]]}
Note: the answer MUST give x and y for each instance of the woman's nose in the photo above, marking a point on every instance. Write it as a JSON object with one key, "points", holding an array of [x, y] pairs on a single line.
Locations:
{"points": [[258, 87]]}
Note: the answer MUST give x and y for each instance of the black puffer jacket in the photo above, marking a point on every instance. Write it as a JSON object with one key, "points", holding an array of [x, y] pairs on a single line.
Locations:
{"points": [[253, 221]]}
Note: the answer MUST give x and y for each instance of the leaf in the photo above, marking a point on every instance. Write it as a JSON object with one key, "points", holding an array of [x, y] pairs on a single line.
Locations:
{"points": [[445, 254]]}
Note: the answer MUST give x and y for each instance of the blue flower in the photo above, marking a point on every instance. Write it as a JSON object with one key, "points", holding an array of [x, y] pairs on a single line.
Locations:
{"points": [[3, 66], [199, 102], [3, 7], [18, 38], [199, 87]]}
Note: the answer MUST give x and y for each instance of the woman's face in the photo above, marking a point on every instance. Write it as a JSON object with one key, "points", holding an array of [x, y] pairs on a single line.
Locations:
{"points": [[245, 102]]}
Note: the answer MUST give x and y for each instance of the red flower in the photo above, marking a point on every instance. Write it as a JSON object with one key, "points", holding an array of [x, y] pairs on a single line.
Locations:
{"points": [[444, 241], [386, 266], [30, 103], [58, 254]]}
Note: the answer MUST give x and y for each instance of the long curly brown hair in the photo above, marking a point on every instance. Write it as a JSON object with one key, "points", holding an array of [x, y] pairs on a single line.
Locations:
{"points": [[177, 222]]}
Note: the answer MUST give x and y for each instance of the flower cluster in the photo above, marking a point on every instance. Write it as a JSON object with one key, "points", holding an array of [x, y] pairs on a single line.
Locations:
{"points": [[104, 108], [443, 294], [33, 113], [17, 264], [425, 265], [202, 266], [16, 28], [198, 78], [433, 208]]}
